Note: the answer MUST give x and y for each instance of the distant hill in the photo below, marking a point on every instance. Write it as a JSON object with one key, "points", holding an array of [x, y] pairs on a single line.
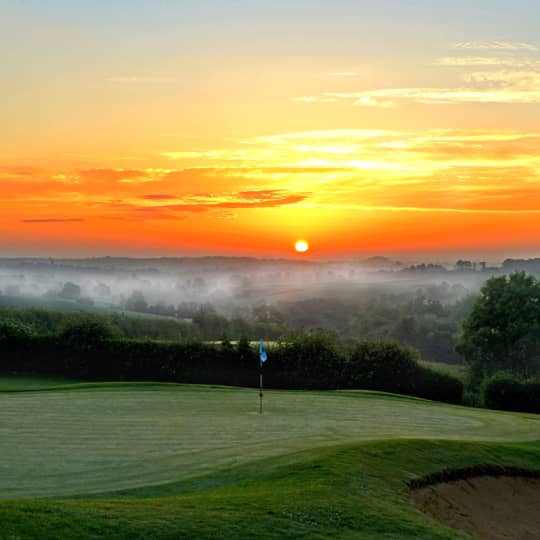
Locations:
{"points": [[382, 262]]}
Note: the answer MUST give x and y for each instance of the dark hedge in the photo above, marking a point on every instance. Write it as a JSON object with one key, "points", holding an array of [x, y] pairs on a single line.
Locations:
{"points": [[308, 361], [508, 392]]}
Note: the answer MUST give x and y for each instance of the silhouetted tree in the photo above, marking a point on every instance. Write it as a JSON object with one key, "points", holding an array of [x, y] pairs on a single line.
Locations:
{"points": [[502, 332]]}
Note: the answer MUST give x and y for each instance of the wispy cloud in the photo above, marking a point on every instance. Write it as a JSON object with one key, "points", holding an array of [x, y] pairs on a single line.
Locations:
{"points": [[158, 197], [126, 176], [315, 99], [482, 87], [474, 61], [495, 45], [515, 79], [209, 202], [421, 170], [333, 97], [52, 220]]}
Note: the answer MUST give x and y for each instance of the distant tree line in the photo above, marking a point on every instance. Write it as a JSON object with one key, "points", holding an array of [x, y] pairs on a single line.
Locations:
{"points": [[206, 324], [427, 318], [88, 349], [497, 334]]}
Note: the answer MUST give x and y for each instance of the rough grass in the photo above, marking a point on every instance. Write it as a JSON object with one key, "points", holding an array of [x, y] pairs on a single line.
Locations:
{"points": [[349, 491], [165, 461]]}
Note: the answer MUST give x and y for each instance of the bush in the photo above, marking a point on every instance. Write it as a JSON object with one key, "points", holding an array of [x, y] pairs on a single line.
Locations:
{"points": [[380, 365], [14, 330], [391, 367], [437, 386], [86, 333], [506, 391], [304, 361]]}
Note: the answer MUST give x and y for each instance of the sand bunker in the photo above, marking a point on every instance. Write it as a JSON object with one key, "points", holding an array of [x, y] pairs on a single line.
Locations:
{"points": [[485, 507]]}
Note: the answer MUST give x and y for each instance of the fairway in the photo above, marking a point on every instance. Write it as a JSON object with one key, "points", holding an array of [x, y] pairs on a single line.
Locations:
{"points": [[98, 438]]}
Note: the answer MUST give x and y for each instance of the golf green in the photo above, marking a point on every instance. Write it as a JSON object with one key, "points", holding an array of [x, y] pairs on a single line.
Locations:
{"points": [[93, 439]]}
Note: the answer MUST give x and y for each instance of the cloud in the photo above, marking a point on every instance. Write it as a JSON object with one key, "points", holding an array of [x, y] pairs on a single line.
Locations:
{"points": [[495, 45], [370, 101], [516, 81], [122, 176], [263, 200], [266, 198], [158, 197], [332, 169], [260, 194], [472, 61], [52, 220], [111, 175], [485, 87], [315, 99]]}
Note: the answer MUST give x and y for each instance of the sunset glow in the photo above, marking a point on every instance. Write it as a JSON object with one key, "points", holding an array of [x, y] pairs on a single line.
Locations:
{"points": [[187, 128]]}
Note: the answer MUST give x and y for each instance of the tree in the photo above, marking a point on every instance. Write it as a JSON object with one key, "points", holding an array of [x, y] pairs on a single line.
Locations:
{"points": [[86, 333], [70, 290], [246, 354], [14, 330], [502, 331], [82, 339], [137, 302]]}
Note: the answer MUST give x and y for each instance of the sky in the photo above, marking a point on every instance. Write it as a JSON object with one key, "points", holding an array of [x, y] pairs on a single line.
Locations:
{"points": [[236, 127]]}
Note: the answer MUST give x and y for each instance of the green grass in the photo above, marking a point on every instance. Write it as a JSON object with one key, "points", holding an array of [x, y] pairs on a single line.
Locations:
{"points": [[173, 461], [456, 370]]}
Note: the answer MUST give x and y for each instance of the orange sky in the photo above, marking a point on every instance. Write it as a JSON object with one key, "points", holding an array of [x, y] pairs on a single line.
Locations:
{"points": [[240, 139]]}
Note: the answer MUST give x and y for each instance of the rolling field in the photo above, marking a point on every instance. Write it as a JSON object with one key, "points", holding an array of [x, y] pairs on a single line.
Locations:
{"points": [[133, 460]]}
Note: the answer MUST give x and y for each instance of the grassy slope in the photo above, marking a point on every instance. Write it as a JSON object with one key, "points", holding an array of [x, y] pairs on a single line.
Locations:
{"points": [[309, 467]]}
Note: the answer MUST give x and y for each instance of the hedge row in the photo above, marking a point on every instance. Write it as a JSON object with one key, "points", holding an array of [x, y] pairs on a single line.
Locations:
{"points": [[311, 361], [505, 391]]}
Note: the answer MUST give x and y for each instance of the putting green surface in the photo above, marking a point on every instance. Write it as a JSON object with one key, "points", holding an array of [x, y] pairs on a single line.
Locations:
{"points": [[87, 440]]}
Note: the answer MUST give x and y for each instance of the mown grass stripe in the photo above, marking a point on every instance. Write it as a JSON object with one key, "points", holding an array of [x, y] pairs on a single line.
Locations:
{"points": [[82, 440]]}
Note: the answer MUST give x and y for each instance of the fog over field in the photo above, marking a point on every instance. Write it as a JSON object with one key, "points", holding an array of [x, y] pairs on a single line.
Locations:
{"points": [[214, 298], [232, 285]]}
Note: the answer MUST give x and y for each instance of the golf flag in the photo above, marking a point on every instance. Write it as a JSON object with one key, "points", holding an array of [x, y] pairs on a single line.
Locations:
{"points": [[262, 352]]}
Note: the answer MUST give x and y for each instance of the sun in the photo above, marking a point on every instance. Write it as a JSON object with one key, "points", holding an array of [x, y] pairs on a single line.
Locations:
{"points": [[301, 246]]}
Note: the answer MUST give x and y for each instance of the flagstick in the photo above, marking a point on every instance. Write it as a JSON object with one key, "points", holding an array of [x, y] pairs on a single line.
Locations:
{"points": [[260, 388], [262, 360]]}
